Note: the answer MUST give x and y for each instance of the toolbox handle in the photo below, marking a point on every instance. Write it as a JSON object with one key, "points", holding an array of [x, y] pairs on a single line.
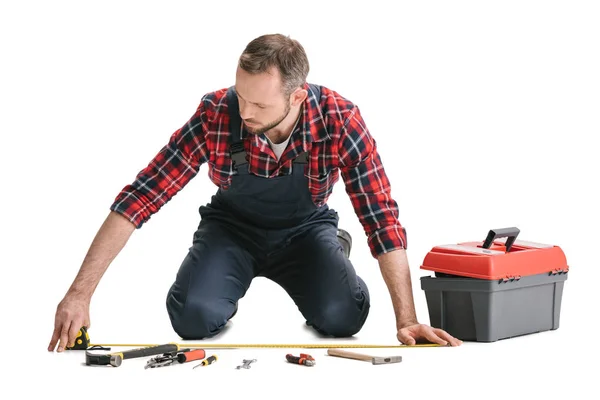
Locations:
{"points": [[509, 233]]}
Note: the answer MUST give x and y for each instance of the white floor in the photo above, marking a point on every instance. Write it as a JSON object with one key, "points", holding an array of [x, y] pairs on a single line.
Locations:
{"points": [[543, 365]]}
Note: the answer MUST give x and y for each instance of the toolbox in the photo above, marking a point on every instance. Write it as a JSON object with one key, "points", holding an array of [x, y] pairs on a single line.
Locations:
{"points": [[494, 289]]}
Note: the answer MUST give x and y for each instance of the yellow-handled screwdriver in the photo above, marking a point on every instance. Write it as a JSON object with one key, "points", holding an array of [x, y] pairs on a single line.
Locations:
{"points": [[207, 361]]}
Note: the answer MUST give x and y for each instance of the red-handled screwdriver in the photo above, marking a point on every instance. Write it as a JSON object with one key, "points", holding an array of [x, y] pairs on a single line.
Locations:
{"points": [[193, 355]]}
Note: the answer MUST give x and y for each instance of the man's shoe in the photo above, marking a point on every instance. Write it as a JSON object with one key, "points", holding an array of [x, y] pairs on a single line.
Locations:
{"points": [[345, 240]]}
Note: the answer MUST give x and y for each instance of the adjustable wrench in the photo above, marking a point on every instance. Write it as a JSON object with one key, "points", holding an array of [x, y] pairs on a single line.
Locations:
{"points": [[246, 364]]}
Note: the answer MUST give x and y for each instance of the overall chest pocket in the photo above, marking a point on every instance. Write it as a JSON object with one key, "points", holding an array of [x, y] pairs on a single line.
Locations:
{"points": [[321, 184]]}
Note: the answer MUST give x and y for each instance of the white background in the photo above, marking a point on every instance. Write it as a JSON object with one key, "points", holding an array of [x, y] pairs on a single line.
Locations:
{"points": [[485, 113]]}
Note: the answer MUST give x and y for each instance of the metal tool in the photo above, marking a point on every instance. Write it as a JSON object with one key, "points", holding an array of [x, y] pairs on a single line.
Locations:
{"points": [[246, 364], [304, 359], [86, 344], [115, 359], [207, 361], [161, 361], [176, 357], [364, 357], [286, 345]]}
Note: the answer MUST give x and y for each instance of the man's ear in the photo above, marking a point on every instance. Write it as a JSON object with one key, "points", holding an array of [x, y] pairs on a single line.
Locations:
{"points": [[298, 96]]}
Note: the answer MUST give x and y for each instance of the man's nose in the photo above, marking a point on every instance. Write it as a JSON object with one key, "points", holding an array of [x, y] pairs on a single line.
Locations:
{"points": [[246, 112]]}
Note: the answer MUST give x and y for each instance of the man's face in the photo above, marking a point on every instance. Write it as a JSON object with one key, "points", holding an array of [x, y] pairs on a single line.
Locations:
{"points": [[262, 102]]}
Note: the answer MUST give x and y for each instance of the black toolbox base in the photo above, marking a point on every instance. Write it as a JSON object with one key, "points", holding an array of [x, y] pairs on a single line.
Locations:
{"points": [[486, 311]]}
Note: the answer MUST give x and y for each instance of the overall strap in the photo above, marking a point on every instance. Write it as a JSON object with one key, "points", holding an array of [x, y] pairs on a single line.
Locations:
{"points": [[316, 90], [236, 143]]}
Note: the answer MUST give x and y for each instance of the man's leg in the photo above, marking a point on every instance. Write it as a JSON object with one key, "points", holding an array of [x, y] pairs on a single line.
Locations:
{"points": [[214, 275], [321, 280]]}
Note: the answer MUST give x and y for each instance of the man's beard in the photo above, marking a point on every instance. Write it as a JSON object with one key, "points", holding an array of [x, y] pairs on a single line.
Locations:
{"points": [[271, 125]]}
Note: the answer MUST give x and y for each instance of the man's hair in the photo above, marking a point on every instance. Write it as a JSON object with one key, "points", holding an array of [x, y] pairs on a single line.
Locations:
{"points": [[282, 52]]}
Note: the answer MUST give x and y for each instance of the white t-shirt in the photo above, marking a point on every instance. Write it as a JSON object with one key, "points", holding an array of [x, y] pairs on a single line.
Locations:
{"points": [[280, 147]]}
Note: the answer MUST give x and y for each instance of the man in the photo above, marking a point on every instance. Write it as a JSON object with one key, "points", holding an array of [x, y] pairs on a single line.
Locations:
{"points": [[275, 145]]}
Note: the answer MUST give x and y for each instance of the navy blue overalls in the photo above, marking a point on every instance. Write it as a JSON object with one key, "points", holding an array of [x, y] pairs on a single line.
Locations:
{"points": [[266, 227]]}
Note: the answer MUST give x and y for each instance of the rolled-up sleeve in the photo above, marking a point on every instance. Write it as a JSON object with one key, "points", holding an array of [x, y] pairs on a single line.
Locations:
{"points": [[167, 173], [369, 188]]}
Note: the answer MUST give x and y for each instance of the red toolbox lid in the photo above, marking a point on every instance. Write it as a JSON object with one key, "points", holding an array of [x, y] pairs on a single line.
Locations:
{"points": [[499, 256]]}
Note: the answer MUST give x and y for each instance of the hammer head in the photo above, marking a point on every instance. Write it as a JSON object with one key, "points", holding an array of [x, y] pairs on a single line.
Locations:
{"points": [[386, 360]]}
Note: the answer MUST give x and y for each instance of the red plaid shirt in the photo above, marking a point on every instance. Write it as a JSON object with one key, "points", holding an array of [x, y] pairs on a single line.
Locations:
{"points": [[331, 130]]}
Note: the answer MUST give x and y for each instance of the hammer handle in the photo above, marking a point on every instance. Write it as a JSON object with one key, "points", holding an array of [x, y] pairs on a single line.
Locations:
{"points": [[349, 354], [150, 351]]}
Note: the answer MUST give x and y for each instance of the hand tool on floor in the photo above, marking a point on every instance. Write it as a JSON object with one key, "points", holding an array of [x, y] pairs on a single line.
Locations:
{"points": [[364, 357], [246, 364], [304, 359], [207, 361], [82, 341], [115, 359], [85, 345], [177, 357]]}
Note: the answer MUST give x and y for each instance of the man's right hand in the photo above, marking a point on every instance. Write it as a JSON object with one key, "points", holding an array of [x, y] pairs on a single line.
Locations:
{"points": [[72, 314]]}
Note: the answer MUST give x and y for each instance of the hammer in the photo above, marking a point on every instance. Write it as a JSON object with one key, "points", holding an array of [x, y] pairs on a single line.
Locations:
{"points": [[363, 357]]}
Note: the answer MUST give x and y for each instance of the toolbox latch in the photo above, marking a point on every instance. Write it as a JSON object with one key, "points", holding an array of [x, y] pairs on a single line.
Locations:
{"points": [[559, 271]]}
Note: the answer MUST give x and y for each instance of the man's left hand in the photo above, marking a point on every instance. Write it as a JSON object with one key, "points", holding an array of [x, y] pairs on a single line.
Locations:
{"points": [[412, 334]]}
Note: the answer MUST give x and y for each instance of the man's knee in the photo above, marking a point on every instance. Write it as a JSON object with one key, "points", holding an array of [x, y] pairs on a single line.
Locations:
{"points": [[198, 318], [342, 318]]}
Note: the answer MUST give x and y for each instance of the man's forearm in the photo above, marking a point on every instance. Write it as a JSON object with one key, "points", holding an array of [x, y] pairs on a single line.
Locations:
{"points": [[110, 239], [396, 274]]}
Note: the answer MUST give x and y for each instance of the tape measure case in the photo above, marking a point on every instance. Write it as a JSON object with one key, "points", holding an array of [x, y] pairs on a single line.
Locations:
{"points": [[494, 289]]}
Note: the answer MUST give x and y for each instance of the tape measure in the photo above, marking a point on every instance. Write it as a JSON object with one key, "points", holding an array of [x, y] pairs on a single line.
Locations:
{"points": [[274, 346], [83, 342]]}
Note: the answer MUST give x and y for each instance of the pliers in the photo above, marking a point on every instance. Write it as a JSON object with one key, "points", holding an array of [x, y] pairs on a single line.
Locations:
{"points": [[175, 357], [304, 359]]}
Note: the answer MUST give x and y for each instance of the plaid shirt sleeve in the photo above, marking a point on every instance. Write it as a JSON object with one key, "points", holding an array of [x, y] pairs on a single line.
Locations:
{"points": [[167, 173], [368, 187]]}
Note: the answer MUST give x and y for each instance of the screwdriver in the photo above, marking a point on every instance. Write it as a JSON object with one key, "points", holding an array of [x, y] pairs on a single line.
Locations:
{"points": [[192, 355], [207, 361]]}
